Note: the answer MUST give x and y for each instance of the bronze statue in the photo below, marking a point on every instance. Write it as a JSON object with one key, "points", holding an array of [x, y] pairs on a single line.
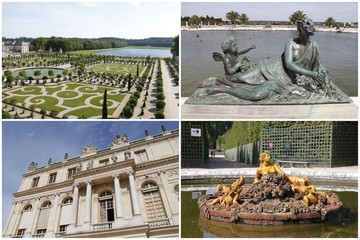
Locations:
{"points": [[298, 76]]}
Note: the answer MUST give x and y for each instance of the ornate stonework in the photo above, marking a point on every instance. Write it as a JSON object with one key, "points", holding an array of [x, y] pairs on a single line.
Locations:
{"points": [[88, 150]]}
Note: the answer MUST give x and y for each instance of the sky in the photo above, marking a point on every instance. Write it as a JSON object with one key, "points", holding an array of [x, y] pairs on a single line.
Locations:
{"points": [[275, 11], [24, 142], [130, 20]]}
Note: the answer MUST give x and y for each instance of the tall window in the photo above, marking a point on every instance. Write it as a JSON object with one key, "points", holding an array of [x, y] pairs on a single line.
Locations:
{"points": [[35, 182], [26, 217], [106, 207], [71, 171], [154, 206], [141, 156], [52, 178], [65, 214], [44, 217]]}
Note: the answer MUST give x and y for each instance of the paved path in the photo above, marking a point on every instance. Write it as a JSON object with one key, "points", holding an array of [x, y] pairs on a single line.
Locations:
{"points": [[220, 167], [150, 101], [171, 92]]}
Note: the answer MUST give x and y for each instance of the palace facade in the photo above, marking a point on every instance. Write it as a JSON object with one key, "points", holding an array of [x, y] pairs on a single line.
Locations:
{"points": [[130, 189]]}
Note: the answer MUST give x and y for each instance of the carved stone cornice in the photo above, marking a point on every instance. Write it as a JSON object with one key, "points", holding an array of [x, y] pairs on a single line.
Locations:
{"points": [[104, 169], [46, 188], [157, 163]]}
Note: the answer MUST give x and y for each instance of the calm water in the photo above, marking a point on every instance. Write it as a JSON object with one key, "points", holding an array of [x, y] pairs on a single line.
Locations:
{"points": [[194, 226], [136, 52], [44, 71], [338, 53]]}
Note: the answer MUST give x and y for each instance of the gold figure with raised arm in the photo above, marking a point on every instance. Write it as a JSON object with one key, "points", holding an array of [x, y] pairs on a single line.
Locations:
{"points": [[231, 192]]}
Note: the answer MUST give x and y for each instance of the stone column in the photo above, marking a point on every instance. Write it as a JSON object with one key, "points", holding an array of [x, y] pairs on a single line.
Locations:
{"points": [[17, 217], [119, 212], [31, 229], [75, 205], [134, 197], [88, 202], [50, 229]]}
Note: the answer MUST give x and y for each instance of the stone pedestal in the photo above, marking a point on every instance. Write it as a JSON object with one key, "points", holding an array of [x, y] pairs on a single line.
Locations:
{"points": [[316, 111]]}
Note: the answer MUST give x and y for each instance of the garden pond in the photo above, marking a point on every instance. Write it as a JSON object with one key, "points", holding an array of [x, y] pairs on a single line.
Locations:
{"points": [[195, 226]]}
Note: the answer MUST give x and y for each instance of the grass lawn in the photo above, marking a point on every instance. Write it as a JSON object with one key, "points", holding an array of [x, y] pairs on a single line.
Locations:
{"points": [[77, 102], [28, 91], [116, 68], [51, 90], [67, 94], [88, 52], [49, 103], [88, 112], [19, 99]]}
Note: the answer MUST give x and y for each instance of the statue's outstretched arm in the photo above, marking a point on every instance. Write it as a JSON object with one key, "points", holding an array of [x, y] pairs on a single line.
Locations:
{"points": [[246, 50]]}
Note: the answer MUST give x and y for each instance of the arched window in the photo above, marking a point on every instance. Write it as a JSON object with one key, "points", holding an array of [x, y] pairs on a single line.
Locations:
{"points": [[106, 206], [43, 217], [65, 215], [25, 219], [153, 203]]}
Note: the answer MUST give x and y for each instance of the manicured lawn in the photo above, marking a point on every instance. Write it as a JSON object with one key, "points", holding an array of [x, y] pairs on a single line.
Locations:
{"points": [[28, 91], [67, 94], [51, 90], [89, 89], [49, 103], [77, 101], [98, 101], [117, 68], [93, 93], [88, 112], [88, 52]]}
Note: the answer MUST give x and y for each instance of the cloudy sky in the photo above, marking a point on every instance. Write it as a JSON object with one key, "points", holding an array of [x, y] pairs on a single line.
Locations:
{"points": [[276, 11], [133, 19], [24, 142]]}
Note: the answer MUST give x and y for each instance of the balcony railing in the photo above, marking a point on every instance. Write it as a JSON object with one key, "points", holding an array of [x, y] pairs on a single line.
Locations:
{"points": [[41, 235], [159, 223], [102, 226], [60, 234], [18, 236]]}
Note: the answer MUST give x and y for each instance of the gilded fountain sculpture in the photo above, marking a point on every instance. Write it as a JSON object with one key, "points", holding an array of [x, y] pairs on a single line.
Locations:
{"points": [[273, 198]]}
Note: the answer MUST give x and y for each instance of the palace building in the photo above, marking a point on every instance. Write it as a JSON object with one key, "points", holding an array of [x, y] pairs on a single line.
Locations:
{"points": [[130, 189]]}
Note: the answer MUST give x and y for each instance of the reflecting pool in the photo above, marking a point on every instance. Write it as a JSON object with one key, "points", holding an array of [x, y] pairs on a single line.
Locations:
{"points": [[194, 226]]}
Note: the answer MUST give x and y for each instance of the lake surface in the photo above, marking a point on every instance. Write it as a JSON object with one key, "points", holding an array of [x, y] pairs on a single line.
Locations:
{"points": [[136, 52], [194, 226], [338, 53]]}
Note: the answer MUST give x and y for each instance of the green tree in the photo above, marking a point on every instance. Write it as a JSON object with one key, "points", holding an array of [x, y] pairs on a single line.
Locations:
{"points": [[244, 18], [296, 16], [129, 82], [51, 73], [53, 113], [104, 107], [37, 73], [330, 21], [232, 16], [194, 20], [175, 47], [23, 74]]}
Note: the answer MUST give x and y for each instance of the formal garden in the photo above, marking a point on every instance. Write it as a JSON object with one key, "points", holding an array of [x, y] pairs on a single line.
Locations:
{"points": [[52, 85]]}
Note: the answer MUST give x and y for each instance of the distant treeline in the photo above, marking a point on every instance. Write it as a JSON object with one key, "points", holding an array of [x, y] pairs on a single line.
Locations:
{"points": [[73, 44]]}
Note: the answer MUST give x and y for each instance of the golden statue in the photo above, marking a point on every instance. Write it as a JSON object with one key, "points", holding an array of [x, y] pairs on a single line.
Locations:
{"points": [[298, 184], [231, 192], [267, 167]]}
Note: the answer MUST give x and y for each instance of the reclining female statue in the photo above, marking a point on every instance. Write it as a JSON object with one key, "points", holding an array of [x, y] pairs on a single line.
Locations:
{"points": [[298, 71]]}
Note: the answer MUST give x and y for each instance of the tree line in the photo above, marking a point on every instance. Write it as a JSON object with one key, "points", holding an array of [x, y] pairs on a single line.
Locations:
{"points": [[73, 44], [235, 18]]}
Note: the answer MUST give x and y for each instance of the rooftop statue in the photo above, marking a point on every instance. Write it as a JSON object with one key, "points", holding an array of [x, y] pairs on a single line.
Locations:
{"points": [[273, 198], [296, 77]]}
